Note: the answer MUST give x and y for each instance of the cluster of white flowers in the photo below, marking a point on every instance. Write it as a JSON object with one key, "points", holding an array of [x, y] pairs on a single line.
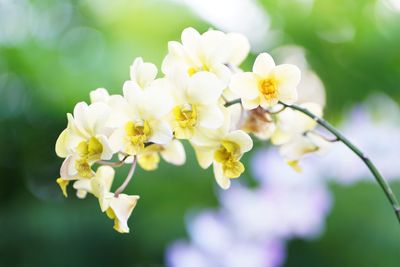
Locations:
{"points": [[196, 100]]}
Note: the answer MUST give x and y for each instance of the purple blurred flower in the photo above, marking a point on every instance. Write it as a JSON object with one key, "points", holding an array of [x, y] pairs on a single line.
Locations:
{"points": [[374, 126], [214, 243], [252, 224]]}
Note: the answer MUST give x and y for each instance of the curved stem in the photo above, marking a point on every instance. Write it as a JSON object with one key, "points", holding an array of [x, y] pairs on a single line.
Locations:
{"points": [[113, 164], [331, 140], [235, 101], [127, 179], [378, 177]]}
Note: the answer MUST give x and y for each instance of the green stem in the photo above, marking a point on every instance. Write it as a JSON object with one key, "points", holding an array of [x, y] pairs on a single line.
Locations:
{"points": [[233, 102], [378, 177]]}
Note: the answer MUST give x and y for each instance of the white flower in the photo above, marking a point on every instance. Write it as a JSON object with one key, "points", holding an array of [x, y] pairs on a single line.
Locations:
{"points": [[294, 133], [267, 84], [99, 95], [140, 118], [99, 185], [85, 140], [196, 103], [120, 209], [211, 51], [291, 123], [173, 153], [223, 149], [301, 145], [142, 74]]}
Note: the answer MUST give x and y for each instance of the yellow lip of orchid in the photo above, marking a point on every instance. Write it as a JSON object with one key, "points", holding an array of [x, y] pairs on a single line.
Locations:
{"points": [[196, 104], [85, 140]]}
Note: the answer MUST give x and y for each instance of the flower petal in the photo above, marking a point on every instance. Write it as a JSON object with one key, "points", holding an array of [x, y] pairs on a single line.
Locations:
{"points": [[80, 120], [242, 139], [288, 77], [116, 139], [249, 104], [161, 133], [122, 207], [175, 57], [240, 48], [98, 114], [297, 148], [108, 151], [99, 95], [83, 185], [210, 116], [143, 73], [204, 88], [63, 185], [204, 155], [222, 181], [190, 39], [121, 111], [245, 85], [174, 153], [214, 47], [101, 185], [62, 144], [263, 65], [91, 119], [223, 73], [155, 103]]}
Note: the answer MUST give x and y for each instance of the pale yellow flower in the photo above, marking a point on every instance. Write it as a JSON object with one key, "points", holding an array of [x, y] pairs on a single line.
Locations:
{"points": [[173, 153], [120, 209], [140, 119], [291, 123], [212, 51], [267, 84], [302, 145], [99, 95], [196, 103], [85, 140], [223, 149]]}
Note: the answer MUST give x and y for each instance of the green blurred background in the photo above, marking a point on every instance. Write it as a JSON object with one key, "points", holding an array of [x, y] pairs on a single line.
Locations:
{"points": [[53, 53]]}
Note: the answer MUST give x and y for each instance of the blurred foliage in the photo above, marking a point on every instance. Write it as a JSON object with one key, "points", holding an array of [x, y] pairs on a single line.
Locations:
{"points": [[90, 44]]}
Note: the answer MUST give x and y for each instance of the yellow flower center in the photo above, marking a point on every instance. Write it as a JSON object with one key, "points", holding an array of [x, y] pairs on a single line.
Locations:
{"points": [[83, 168], [185, 120], [268, 88], [91, 149], [137, 134], [89, 152], [192, 70], [228, 155]]}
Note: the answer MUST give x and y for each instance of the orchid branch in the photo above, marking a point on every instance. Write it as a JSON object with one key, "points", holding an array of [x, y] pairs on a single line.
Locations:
{"points": [[339, 137], [331, 140], [128, 178], [113, 164], [233, 102], [378, 177]]}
